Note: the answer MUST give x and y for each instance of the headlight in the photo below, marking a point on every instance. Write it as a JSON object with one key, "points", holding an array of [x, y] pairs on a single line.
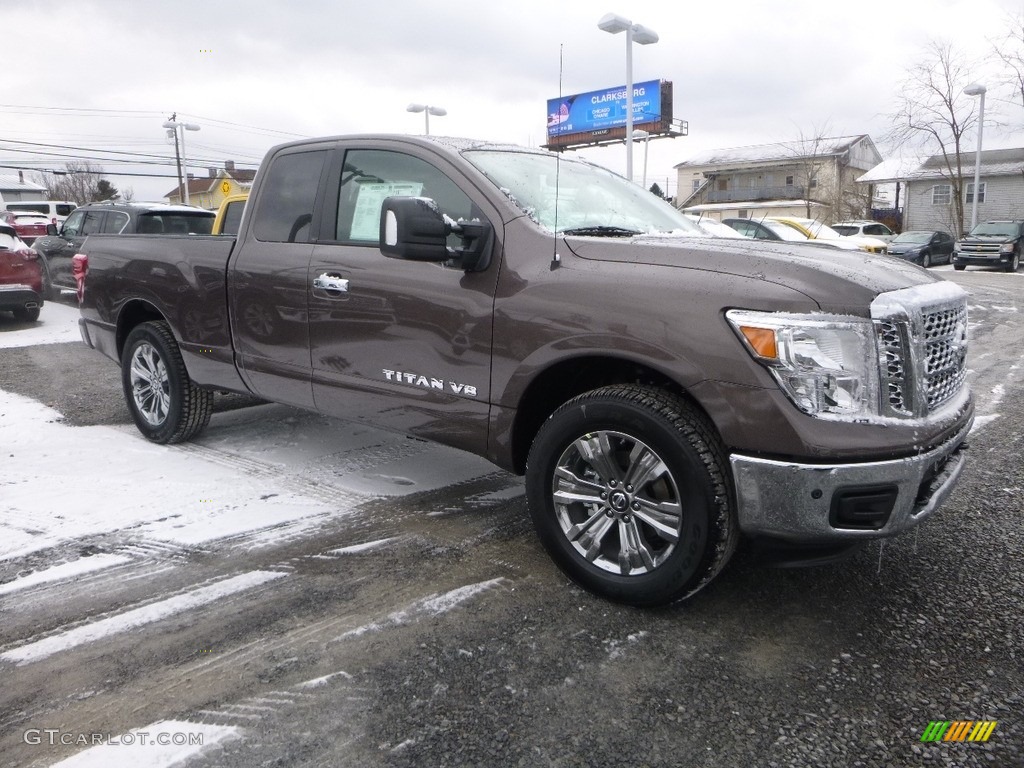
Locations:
{"points": [[826, 364], [1007, 247]]}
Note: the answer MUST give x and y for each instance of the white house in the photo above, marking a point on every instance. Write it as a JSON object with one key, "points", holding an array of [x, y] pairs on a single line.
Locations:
{"points": [[811, 177], [927, 189], [16, 187]]}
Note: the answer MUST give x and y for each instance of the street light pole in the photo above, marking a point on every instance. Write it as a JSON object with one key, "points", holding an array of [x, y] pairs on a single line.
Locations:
{"points": [[976, 89], [174, 125], [640, 133], [427, 111], [613, 23]]}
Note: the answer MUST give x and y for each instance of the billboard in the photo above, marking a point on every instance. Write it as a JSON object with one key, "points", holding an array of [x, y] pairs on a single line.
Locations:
{"points": [[599, 117]]}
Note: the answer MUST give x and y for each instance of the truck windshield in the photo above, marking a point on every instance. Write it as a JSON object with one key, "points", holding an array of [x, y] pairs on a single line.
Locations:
{"points": [[590, 200], [996, 229]]}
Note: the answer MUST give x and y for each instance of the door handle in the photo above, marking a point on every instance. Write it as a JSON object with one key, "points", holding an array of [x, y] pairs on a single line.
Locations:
{"points": [[331, 283]]}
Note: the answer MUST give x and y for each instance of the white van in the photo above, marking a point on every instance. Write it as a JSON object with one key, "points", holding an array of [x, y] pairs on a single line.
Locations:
{"points": [[55, 210]]}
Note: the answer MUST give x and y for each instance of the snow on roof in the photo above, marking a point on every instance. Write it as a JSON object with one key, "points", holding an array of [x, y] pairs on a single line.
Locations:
{"points": [[786, 150], [10, 182], [994, 162]]}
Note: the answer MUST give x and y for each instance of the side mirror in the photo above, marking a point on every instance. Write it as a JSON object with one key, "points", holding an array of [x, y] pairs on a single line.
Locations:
{"points": [[51, 230], [414, 228]]}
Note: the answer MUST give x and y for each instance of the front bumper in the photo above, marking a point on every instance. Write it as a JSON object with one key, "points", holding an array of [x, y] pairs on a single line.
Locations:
{"points": [[983, 259], [844, 503]]}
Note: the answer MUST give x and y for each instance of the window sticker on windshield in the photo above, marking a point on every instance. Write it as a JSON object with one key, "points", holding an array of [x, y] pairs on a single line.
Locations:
{"points": [[366, 218]]}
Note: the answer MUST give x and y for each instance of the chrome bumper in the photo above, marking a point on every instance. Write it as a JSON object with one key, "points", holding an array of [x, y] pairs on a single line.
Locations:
{"points": [[795, 502]]}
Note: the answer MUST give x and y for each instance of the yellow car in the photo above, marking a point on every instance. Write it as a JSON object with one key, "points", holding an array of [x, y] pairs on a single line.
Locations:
{"points": [[229, 215], [815, 230]]}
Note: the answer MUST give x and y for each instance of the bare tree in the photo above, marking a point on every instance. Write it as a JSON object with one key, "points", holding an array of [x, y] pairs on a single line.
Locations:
{"points": [[934, 114], [1010, 50], [822, 177], [80, 182]]}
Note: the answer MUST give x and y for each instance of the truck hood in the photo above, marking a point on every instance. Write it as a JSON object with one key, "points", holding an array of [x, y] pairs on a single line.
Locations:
{"points": [[988, 239], [838, 280]]}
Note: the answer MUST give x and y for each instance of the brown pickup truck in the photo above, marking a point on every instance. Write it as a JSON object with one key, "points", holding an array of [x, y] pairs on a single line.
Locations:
{"points": [[664, 392]]}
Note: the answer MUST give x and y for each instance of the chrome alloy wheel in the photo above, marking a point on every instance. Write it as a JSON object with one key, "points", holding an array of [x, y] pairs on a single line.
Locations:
{"points": [[617, 503], [151, 386]]}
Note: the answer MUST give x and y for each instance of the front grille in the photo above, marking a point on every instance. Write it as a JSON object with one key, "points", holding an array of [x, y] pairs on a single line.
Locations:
{"points": [[980, 249], [921, 336]]}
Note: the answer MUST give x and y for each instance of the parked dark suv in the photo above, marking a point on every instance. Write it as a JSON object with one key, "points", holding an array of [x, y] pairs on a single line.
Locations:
{"points": [[991, 244], [60, 245]]}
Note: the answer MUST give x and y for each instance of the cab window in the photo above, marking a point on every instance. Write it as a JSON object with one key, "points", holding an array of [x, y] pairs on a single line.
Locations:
{"points": [[370, 176], [285, 208]]}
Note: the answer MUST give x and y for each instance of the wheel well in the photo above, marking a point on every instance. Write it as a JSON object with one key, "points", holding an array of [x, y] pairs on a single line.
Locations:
{"points": [[563, 381], [134, 313]]}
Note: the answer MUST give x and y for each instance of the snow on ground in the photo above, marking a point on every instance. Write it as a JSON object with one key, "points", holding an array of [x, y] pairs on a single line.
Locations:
{"points": [[57, 324], [160, 745], [138, 617], [67, 571], [64, 483]]}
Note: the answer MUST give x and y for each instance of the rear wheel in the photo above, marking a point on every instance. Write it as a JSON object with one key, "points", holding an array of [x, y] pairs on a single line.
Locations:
{"points": [[165, 405], [629, 493]]}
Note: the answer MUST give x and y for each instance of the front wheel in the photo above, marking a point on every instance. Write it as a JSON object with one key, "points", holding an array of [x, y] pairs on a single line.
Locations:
{"points": [[1014, 264], [926, 260], [959, 267], [628, 490], [165, 405]]}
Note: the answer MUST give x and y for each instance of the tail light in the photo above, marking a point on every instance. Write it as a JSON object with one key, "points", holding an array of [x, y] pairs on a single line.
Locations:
{"points": [[80, 268]]}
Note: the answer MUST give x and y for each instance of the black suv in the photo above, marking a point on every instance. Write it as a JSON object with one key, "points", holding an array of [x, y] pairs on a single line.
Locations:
{"points": [[59, 246], [991, 244]]}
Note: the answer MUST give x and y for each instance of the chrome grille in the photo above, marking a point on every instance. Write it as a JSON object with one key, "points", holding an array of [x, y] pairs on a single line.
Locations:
{"points": [[921, 336], [945, 353], [894, 372]]}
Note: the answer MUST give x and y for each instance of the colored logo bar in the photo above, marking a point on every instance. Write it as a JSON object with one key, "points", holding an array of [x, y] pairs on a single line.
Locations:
{"points": [[959, 730]]}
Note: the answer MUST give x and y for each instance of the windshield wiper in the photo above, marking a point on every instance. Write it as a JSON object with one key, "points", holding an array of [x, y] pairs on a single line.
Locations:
{"points": [[601, 231]]}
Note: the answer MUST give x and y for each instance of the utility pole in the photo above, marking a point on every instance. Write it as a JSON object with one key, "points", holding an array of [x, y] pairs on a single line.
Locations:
{"points": [[177, 157]]}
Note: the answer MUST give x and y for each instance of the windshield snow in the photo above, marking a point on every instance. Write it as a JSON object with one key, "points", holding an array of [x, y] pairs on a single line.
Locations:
{"points": [[590, 200]]}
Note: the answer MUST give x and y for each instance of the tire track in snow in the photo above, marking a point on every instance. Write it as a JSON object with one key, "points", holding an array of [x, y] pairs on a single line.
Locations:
{"points": [[136, 617]]}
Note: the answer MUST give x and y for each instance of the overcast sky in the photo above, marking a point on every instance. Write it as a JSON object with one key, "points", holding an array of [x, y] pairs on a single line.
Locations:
{"points": [[104, 74]]}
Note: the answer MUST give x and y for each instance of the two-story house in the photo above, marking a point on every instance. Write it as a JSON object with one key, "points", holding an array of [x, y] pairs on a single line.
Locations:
{"points": [[210, 190], [928, 189], [814, 178]]}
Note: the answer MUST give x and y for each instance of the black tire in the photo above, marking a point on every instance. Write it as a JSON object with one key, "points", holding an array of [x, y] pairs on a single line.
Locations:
{"points": [[585, 508], [1014, 264], [26, 315], [165, 405], [48, 291], [959, 267], [926, 260]]}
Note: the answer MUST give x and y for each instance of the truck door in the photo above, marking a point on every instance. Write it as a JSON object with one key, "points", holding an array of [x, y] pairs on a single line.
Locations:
{"points": [[267, 280], [405, 344]]}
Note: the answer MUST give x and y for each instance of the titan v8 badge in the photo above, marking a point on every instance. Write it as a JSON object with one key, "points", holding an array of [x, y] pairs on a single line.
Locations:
{"points": [[429, 382]]}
